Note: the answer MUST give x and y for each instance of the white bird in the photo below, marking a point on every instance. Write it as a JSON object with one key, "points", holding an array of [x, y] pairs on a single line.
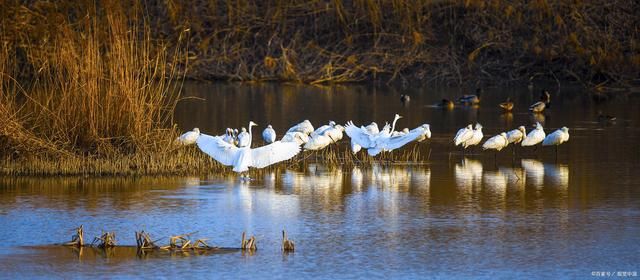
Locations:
{"points": [[335, 133], [317, 142], [425, 135], [497, 142], [368, 135], [556, 138], [241, 158], [229, 137], [322, 129], [400, 133], [244, 138], [303, 127], [189, 137], [463, 135], [269, 135], [296, 136], [372, 130], [517, 135], [320, 138], [476, 137], [388, 144], [382, 141], [534, 137], [386, 131]]}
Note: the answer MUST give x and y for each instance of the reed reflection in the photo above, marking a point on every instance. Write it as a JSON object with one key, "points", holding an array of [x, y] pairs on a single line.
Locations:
{"points": [[94, 194]]}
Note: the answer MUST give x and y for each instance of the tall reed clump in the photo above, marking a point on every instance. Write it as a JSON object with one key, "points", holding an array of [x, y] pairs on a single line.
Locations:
{"points": [[84, 84]]}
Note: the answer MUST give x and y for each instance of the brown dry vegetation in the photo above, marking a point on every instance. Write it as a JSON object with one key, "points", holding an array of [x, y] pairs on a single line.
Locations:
{"points": [[499, 41], [88, 91], [90, 87]]}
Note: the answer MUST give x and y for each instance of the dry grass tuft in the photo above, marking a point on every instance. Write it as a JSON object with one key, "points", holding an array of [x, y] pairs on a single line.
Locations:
{"points": [[98, 89]]}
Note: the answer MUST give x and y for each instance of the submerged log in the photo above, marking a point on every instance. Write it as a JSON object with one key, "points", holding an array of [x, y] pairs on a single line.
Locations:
{"points": [[287, 245]]}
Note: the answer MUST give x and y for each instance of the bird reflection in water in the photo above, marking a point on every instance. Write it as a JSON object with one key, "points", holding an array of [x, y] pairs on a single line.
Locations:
{"points": [[468, 173], [534, 171], [495, 188], [557, 175], [357, 179]]}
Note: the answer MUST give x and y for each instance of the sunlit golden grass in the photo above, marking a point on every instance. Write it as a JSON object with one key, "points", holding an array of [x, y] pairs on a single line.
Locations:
{"points": [[100, 97], [191, 161]]}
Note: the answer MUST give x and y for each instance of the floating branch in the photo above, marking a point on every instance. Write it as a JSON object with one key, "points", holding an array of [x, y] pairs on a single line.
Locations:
{"points": [[106, 240], [144, 241], [183, 243], [77, 239], [248, 244], [287, 245]]}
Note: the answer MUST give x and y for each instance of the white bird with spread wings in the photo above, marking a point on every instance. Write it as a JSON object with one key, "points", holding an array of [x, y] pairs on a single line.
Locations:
{"points": [[241, 158], [376, 143]]}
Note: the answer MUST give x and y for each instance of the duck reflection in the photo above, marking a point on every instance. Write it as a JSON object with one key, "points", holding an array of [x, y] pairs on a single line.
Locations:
{"points": [[507, 118], [538, 117], [534, 171]]}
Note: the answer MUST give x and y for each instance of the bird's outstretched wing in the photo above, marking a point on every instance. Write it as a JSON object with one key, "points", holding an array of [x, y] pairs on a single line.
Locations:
{"points": [[359, 135], [217, 148], [274, 152], [396, 142]]}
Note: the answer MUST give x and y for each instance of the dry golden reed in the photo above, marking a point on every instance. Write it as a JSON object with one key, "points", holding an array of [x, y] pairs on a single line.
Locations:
{"points": [[99, 95]]}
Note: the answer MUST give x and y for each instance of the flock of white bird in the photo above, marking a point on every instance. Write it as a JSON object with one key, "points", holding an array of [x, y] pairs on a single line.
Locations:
{"points": [[468, 136], [234, 147]]}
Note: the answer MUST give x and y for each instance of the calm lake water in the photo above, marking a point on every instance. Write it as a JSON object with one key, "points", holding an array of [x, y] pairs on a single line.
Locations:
{"points": [[524, 216]]}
